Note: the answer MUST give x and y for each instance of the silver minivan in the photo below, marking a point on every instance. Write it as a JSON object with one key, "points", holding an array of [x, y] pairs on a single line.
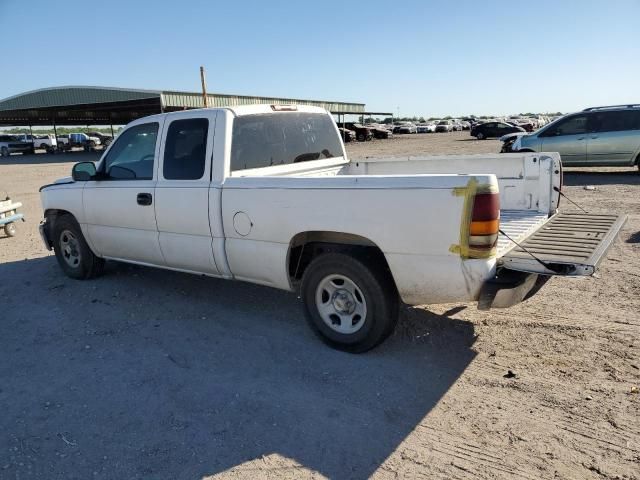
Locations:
{"points": [[598, 136]]}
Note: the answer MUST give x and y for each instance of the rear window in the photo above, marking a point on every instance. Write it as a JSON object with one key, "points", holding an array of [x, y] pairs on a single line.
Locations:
{"points": [[282, 138]]}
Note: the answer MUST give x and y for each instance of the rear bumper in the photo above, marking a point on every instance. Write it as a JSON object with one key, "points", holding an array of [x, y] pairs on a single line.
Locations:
{"points": [[509, 288]]}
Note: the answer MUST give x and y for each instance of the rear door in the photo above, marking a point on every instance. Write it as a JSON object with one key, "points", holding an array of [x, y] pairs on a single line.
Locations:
{"points": [[614, 138], [182, 193], [568, 137]]}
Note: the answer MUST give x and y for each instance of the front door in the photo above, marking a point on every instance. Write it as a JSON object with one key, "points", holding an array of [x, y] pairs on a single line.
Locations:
{"points": [[119, 205], [569, 138], [182, 192]]}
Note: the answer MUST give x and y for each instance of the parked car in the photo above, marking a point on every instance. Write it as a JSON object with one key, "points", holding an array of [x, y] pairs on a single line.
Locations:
{"points": [[444, 126], [493, 130], [598, 136], [10, 144], [406, 128], [44, 141], [275, 201], [380, 131], [105, 140], [426, 128], [362, 133], [347, 135], [67, 142]]}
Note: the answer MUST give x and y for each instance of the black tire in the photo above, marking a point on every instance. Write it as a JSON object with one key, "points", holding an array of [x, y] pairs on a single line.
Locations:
{"points": [[88, 265], [373, 285], [361, 137], [480, 136], [10, 229], [4, 151]]}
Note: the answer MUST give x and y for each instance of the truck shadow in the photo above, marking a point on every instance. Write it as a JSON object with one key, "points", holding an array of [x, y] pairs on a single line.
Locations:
{"points": [[575, 177], [160, 374]]}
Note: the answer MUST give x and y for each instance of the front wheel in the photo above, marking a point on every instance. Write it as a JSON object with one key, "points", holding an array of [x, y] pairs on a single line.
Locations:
{"points": [[4, 151], [72, 252], [480, 136], [10, 229], [351, 306]]}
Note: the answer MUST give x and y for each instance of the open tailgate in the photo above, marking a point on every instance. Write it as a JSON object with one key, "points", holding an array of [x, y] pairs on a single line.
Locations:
{"points": [[569, 244]]}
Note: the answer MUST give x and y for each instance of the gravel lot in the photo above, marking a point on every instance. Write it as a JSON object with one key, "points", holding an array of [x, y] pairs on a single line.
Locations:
{"points": [[146, 373]]}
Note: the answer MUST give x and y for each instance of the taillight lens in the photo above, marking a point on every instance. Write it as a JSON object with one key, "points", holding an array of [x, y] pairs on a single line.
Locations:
{"points": [[484, 225]]}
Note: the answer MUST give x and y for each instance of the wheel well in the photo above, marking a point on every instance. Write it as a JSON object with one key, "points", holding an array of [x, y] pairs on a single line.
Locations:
{"points": [[52, 214], [306, 246]]}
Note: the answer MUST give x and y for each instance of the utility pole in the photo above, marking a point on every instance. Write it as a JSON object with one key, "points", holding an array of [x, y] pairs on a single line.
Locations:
{"points": [[205, 100]]}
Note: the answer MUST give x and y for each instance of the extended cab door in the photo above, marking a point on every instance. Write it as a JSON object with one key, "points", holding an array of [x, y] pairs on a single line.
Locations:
{"points": [[568, 137], [119, 205], [182, 192]]}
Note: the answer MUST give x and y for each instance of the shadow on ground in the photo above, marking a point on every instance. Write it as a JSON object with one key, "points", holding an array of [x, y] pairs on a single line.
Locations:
{"points": [[574, 177], [157, 374]]}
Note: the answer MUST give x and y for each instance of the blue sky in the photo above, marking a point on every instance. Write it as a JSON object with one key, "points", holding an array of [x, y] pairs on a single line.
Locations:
{"points": [[421, 57]]}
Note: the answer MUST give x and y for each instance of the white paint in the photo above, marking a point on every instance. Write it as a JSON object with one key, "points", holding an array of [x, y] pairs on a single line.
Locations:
{"points": [[240, 225]]}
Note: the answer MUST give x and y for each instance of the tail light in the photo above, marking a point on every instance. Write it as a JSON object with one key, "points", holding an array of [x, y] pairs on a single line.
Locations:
{"points": [[484, 225]]}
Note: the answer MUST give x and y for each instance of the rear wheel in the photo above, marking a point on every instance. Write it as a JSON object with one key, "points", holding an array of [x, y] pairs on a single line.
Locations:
{"points": [[361, 137], [480, 136], [72, 252], [4, 151], [352, 306], [10, 229]]}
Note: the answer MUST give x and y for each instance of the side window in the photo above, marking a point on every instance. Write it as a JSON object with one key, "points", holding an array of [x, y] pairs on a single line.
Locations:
{"points": [[570, 126], [131, 156], [185, 149], [617, 121]]}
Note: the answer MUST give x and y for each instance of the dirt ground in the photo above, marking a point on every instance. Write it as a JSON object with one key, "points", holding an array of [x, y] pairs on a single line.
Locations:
{"points": [[154, 374]]}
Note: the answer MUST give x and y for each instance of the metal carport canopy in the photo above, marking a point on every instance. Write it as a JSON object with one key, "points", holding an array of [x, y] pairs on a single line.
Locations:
{"points": [[86, 105]]}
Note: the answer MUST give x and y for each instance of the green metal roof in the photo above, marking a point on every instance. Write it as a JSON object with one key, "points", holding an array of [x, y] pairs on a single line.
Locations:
{"points": [[70, 96], [194, 100], [92, 105]]}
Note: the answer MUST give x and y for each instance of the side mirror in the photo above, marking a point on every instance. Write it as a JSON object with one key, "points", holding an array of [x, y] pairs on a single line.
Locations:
{"points": [[83, 171]]}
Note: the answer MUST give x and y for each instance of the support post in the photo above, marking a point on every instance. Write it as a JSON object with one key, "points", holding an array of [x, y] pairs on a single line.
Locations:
{"points": [[55, 134], [33, 142], [112, 135], [205, 100]]}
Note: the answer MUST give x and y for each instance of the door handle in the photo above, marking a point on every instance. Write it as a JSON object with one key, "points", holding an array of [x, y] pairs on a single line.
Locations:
{"points": [[145, 199], [594, 137], [582, 138]]}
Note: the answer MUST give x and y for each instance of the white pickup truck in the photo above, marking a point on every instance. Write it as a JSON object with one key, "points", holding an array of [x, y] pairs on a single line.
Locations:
{"points": [[266, 194]]}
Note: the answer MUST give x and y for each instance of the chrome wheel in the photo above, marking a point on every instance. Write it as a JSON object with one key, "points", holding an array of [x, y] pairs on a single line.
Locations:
{"points": [[70, 248], [341, 304]]}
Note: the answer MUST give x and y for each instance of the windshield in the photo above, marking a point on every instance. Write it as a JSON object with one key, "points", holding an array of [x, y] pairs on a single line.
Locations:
{"points": [[443, 123], [283, 138]]}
